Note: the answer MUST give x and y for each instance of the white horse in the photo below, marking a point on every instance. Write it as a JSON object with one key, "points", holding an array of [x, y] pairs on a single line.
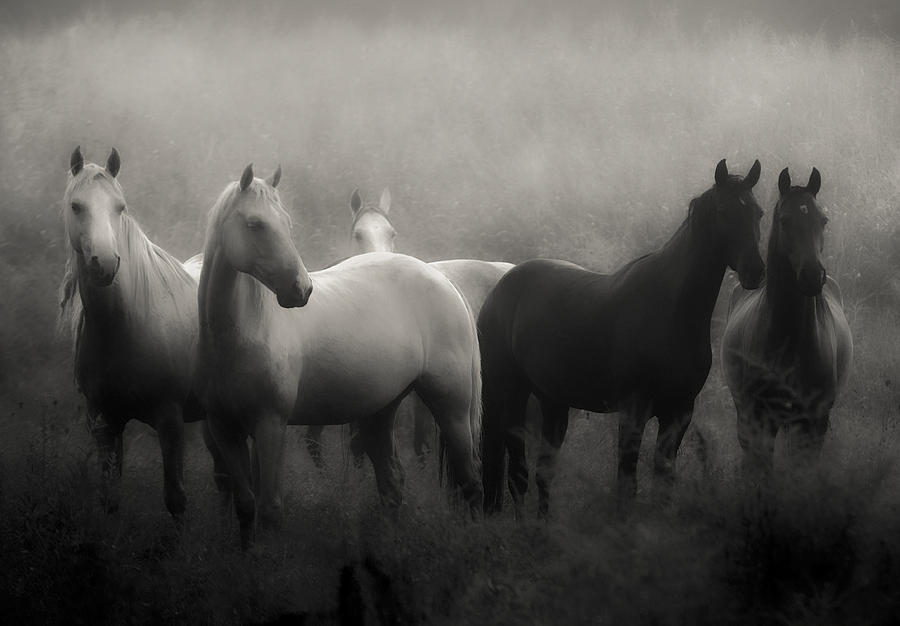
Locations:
{"points": [[371, 231], [132, 310], [279, 345]]}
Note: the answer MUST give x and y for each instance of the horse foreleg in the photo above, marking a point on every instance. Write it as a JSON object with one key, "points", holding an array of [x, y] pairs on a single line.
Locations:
{"points": [[109, 457], [376, 434], [220, 471], [553, 432], [631, 430], [672, 427], [268, 454], [756, 434], [232, 445], [170, 431], [809, 437]]}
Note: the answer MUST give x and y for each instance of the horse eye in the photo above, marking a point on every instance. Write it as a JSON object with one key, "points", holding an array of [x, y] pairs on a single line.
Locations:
{"points": [[120, 208], [254, 224], [824, 220], [77, 208]]}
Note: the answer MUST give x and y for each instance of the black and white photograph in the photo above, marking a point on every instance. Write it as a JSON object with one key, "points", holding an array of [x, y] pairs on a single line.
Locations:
{"points": [[457, 312]]}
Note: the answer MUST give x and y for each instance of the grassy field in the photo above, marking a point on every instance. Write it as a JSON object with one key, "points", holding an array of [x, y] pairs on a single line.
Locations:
{"points": [[502, 139]]}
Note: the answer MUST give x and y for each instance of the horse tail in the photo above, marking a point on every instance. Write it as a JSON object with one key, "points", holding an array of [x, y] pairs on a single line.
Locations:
{"points": [[446, 468], [493, 447]]}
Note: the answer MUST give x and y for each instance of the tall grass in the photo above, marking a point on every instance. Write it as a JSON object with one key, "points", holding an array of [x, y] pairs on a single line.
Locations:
{"points": [[582, 141]]}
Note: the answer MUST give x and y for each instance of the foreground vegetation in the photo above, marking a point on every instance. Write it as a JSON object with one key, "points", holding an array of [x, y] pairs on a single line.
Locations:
{"points": [[541, 138]]}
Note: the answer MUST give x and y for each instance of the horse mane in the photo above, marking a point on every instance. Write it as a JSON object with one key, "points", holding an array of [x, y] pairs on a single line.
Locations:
{"points": [[153, 270]]}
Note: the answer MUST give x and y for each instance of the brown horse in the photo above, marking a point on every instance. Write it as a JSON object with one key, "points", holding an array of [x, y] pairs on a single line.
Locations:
{"points": [[787, 347], [635, 341]]}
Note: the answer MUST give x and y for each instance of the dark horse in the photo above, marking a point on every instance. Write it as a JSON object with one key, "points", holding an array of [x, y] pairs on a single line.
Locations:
{"points": [[636, 341], [787, 347]]}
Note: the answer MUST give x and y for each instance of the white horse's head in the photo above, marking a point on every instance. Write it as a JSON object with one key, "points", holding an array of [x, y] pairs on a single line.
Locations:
{"points": [[371, 229], [254, 234], [92, 211]]}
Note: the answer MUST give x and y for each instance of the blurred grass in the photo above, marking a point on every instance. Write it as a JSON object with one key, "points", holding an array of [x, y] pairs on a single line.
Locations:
{"points": [[582, 141]]}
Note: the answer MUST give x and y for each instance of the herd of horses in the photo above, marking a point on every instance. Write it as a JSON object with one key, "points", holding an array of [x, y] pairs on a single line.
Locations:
{"points": [[246, 339]]}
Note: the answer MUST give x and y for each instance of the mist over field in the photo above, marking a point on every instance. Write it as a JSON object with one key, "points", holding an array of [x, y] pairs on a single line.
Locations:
{"points": [[568, 130]]}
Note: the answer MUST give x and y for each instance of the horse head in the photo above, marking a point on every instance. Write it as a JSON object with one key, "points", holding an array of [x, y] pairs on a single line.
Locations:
{"points": [[371, 229], [798, 231], [255, 237], [92, 210], [737, 217]]}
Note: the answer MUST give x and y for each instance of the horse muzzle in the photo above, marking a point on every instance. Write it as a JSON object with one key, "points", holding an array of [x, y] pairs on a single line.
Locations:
{"points": [[102, 273], [297, 295], [751, 277]]}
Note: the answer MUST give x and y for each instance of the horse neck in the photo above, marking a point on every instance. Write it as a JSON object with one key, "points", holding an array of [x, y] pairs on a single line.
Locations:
{"points": [[692, 268], [232, 303], [792, 315]]}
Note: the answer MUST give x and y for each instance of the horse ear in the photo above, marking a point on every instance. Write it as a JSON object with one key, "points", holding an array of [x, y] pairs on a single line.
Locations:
{"points": [[752, 176], [815, 182], [275, 177], [76, 162], [355, 202], [784, 182], [385, 203], [721, 173], [113, 163], [247, 177]]}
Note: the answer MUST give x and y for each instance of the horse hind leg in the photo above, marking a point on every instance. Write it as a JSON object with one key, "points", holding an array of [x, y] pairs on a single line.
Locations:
{"points": [[109, 456], [553, 432], [313, 441], [450, 407], [170, 431], [423, 429], [376, 434]]}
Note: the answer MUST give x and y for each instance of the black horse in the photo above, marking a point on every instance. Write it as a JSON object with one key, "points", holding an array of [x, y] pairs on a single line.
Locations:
{"points": [[635, 341], [787, 347]]}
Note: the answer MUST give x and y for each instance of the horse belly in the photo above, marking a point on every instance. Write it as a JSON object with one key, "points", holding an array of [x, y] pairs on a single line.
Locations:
{"points": [[347, 391]]}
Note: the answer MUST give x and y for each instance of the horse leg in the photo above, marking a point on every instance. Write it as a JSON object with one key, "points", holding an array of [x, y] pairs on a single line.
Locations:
{"points": [[357, 445], [756, 434], [553, 432], [314, 444], [515, 438], [220, 471], [170, 431], [810, 437], [451, 409], [631, 430], [232, 445], [673, 424], [109, 455], [377, 436], [268, 453], [423, 429]]}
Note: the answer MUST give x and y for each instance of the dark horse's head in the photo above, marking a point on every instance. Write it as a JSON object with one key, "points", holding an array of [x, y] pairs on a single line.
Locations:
{"points": [[737, 217], [798, 232]]}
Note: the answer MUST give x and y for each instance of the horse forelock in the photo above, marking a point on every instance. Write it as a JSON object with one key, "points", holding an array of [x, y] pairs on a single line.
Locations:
{"points": [[369, 208]]}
